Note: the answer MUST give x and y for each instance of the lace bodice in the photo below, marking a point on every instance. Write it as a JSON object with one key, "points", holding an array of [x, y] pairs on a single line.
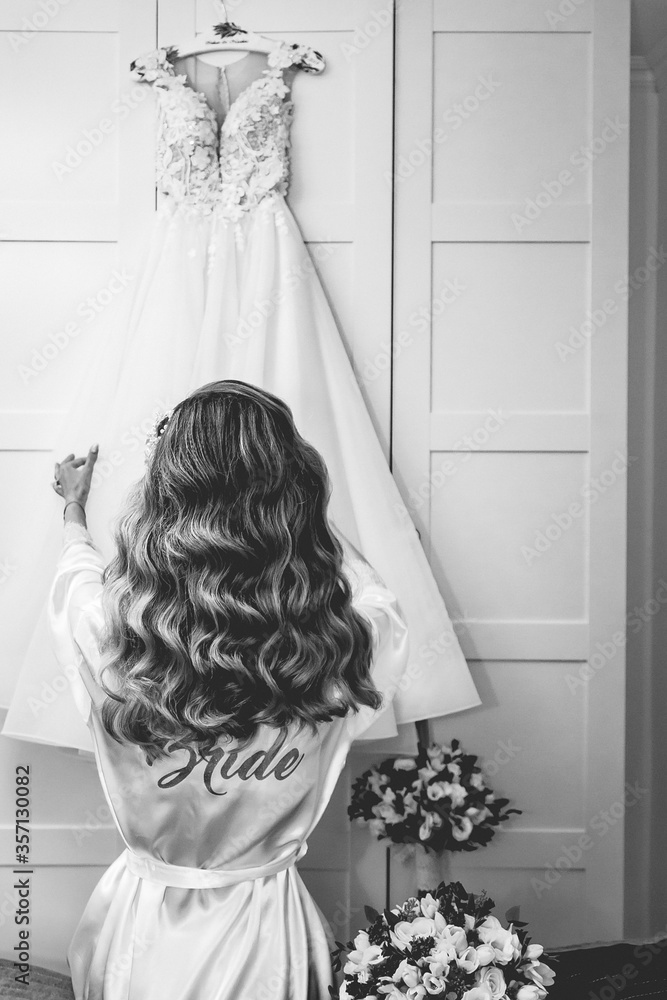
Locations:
{"points": [[228, 169]]}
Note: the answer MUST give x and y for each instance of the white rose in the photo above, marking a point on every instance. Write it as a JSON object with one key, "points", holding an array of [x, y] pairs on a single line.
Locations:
{"points": [[477, 780], [477, 993], [534, 951], [462, 828], [494, 981], [416, 992], [454, 770], [376, 827], [529, 993]]}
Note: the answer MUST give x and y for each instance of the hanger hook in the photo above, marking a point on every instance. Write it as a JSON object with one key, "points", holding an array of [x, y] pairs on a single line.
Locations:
{"points": [[222, 9]]}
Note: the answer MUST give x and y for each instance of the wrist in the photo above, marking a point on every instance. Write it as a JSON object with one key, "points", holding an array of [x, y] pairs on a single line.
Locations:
{"points": [[74, 511]]}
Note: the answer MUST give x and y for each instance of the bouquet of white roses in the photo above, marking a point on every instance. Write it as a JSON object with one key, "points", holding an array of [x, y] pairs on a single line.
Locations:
{"points": [[444, 943], [438, 799]]}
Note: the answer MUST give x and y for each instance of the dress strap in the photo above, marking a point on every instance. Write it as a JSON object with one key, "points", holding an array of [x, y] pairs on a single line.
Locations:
{"points": [[154, 66], [302, 56], [181, 877]]}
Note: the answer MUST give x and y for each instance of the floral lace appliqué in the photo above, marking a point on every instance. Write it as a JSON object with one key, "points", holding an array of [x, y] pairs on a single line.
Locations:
{"points": [[230, 170]]}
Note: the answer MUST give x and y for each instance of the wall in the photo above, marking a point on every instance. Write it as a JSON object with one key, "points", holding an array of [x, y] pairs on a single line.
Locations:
{"points": [[640, 874], [659, 538]]}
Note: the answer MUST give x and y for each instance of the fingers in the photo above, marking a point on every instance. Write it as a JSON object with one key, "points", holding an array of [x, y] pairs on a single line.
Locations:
{"points": [[91, 458]]}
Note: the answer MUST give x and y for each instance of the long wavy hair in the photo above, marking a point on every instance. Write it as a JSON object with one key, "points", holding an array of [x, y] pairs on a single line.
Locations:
{"points": [[226, 604]]}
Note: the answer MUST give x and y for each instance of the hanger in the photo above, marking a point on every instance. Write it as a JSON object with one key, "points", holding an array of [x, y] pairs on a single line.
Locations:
{"points": [[224, 37]]}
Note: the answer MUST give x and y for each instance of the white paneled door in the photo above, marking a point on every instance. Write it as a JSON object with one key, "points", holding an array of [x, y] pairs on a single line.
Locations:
{"points": [[509, 404], [79, 199]]}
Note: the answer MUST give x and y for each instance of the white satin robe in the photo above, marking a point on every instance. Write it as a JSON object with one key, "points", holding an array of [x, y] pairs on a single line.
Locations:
{"points": [[206, 903]]}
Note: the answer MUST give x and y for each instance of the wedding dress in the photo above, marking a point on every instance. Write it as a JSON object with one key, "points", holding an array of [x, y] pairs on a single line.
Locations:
{"points": [[229, 290]]}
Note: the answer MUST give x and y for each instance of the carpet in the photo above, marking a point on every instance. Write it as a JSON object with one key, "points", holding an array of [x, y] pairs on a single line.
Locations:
{"points": [[44, 984], [611, 972]]}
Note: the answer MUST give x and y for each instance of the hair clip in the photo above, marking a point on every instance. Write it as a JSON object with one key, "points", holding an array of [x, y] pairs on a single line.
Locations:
{"points": [[156, 433]]}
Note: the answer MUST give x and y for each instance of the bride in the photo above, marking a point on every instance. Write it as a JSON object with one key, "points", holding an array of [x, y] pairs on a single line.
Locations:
{"points": [[226, 659]]}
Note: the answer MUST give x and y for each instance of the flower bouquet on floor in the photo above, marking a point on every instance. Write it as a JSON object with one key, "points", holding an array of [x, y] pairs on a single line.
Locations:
{"points": [[434, 802], [445, 943]]}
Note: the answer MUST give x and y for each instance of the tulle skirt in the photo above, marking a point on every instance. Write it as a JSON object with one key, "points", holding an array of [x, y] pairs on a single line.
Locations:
{"points": [[240, 300]]}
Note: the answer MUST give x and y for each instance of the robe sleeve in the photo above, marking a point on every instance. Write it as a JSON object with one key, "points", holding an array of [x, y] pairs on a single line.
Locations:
{"points": [[75, 613], [390, 646]]}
